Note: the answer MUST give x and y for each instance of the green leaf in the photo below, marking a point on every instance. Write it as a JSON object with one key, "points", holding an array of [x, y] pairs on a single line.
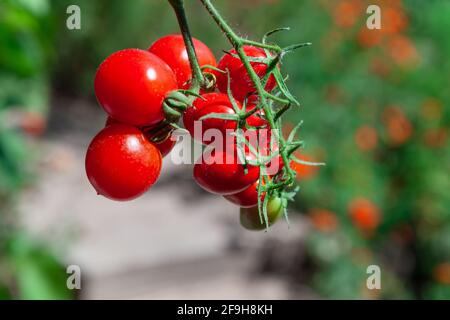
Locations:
{"points": [[38, 274]]}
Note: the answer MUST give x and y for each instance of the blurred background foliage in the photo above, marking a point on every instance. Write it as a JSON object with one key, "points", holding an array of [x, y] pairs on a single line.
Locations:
{"points": [[374, 105], [27, 269]]}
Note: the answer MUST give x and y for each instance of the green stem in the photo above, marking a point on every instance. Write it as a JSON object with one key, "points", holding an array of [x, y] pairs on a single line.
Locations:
{"points": [[238, 43], [198, 78], [262, 45]]}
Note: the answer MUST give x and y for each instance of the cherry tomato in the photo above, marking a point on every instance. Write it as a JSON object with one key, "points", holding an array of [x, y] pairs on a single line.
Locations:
{"points": [[211, 103], [131, 85], [220, 172], [164, 146], [247, 198], [110, 121], [260, 139], [275, 165], [240, 83], [257, 119], [172, 50], [250, 220], [121, 163]]}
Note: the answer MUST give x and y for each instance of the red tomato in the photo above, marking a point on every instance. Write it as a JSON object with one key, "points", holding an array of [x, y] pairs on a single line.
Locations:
{"points": [[240, 83], [257, 119], [211, 103], [164, 146], [110, 121], [260, 139], [276, 165], [121, 163], [172, 50], [250, 220], [247, 198], [131, 85], [221, 173]]}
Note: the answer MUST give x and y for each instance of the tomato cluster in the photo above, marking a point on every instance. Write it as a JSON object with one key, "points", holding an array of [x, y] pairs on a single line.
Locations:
{"points": [[124, 158]]}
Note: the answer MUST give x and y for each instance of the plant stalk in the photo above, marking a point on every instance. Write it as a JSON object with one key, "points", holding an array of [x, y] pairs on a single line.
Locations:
{"points": [[238, 43], [198, 78]]}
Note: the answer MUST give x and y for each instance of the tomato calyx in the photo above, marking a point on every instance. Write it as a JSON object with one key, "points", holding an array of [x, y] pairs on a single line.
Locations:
{"points": [[210, 81], [174, 105], [158, 133]]}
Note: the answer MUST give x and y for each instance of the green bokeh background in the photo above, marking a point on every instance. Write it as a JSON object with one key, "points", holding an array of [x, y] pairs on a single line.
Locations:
{"points": [[339, 92]]}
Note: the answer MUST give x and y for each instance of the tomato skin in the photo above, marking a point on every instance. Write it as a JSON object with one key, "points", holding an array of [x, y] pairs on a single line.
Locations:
{"points": [[111, 121], [261, 140], [240, 83], [131, 85], [249, 217], [164, 146], [256, 119], [211, 103], [217, 103], [121, 163], [220, 172], [172, 50], [247, 198]]}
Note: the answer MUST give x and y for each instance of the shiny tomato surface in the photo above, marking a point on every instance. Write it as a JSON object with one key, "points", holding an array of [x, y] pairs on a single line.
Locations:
{"points": [[121, 163], [247, 198], [131, 85], [209, 103], [240, 83], [172, 50], [220, 172]]}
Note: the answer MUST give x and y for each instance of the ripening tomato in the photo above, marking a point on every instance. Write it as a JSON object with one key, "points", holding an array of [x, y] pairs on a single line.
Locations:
{"points": [[172, 50], [247, 198], [121, 163], [209, 103], [164, 146], [250, 220], [131, 85], [220, 172], [240, 83]]}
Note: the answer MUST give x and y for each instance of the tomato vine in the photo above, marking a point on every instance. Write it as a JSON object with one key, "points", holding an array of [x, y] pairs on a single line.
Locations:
{"points": [[273, 106]]}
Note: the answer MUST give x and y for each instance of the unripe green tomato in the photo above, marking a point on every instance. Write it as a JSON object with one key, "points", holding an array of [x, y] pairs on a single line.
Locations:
{"points": [[250, 217]]}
